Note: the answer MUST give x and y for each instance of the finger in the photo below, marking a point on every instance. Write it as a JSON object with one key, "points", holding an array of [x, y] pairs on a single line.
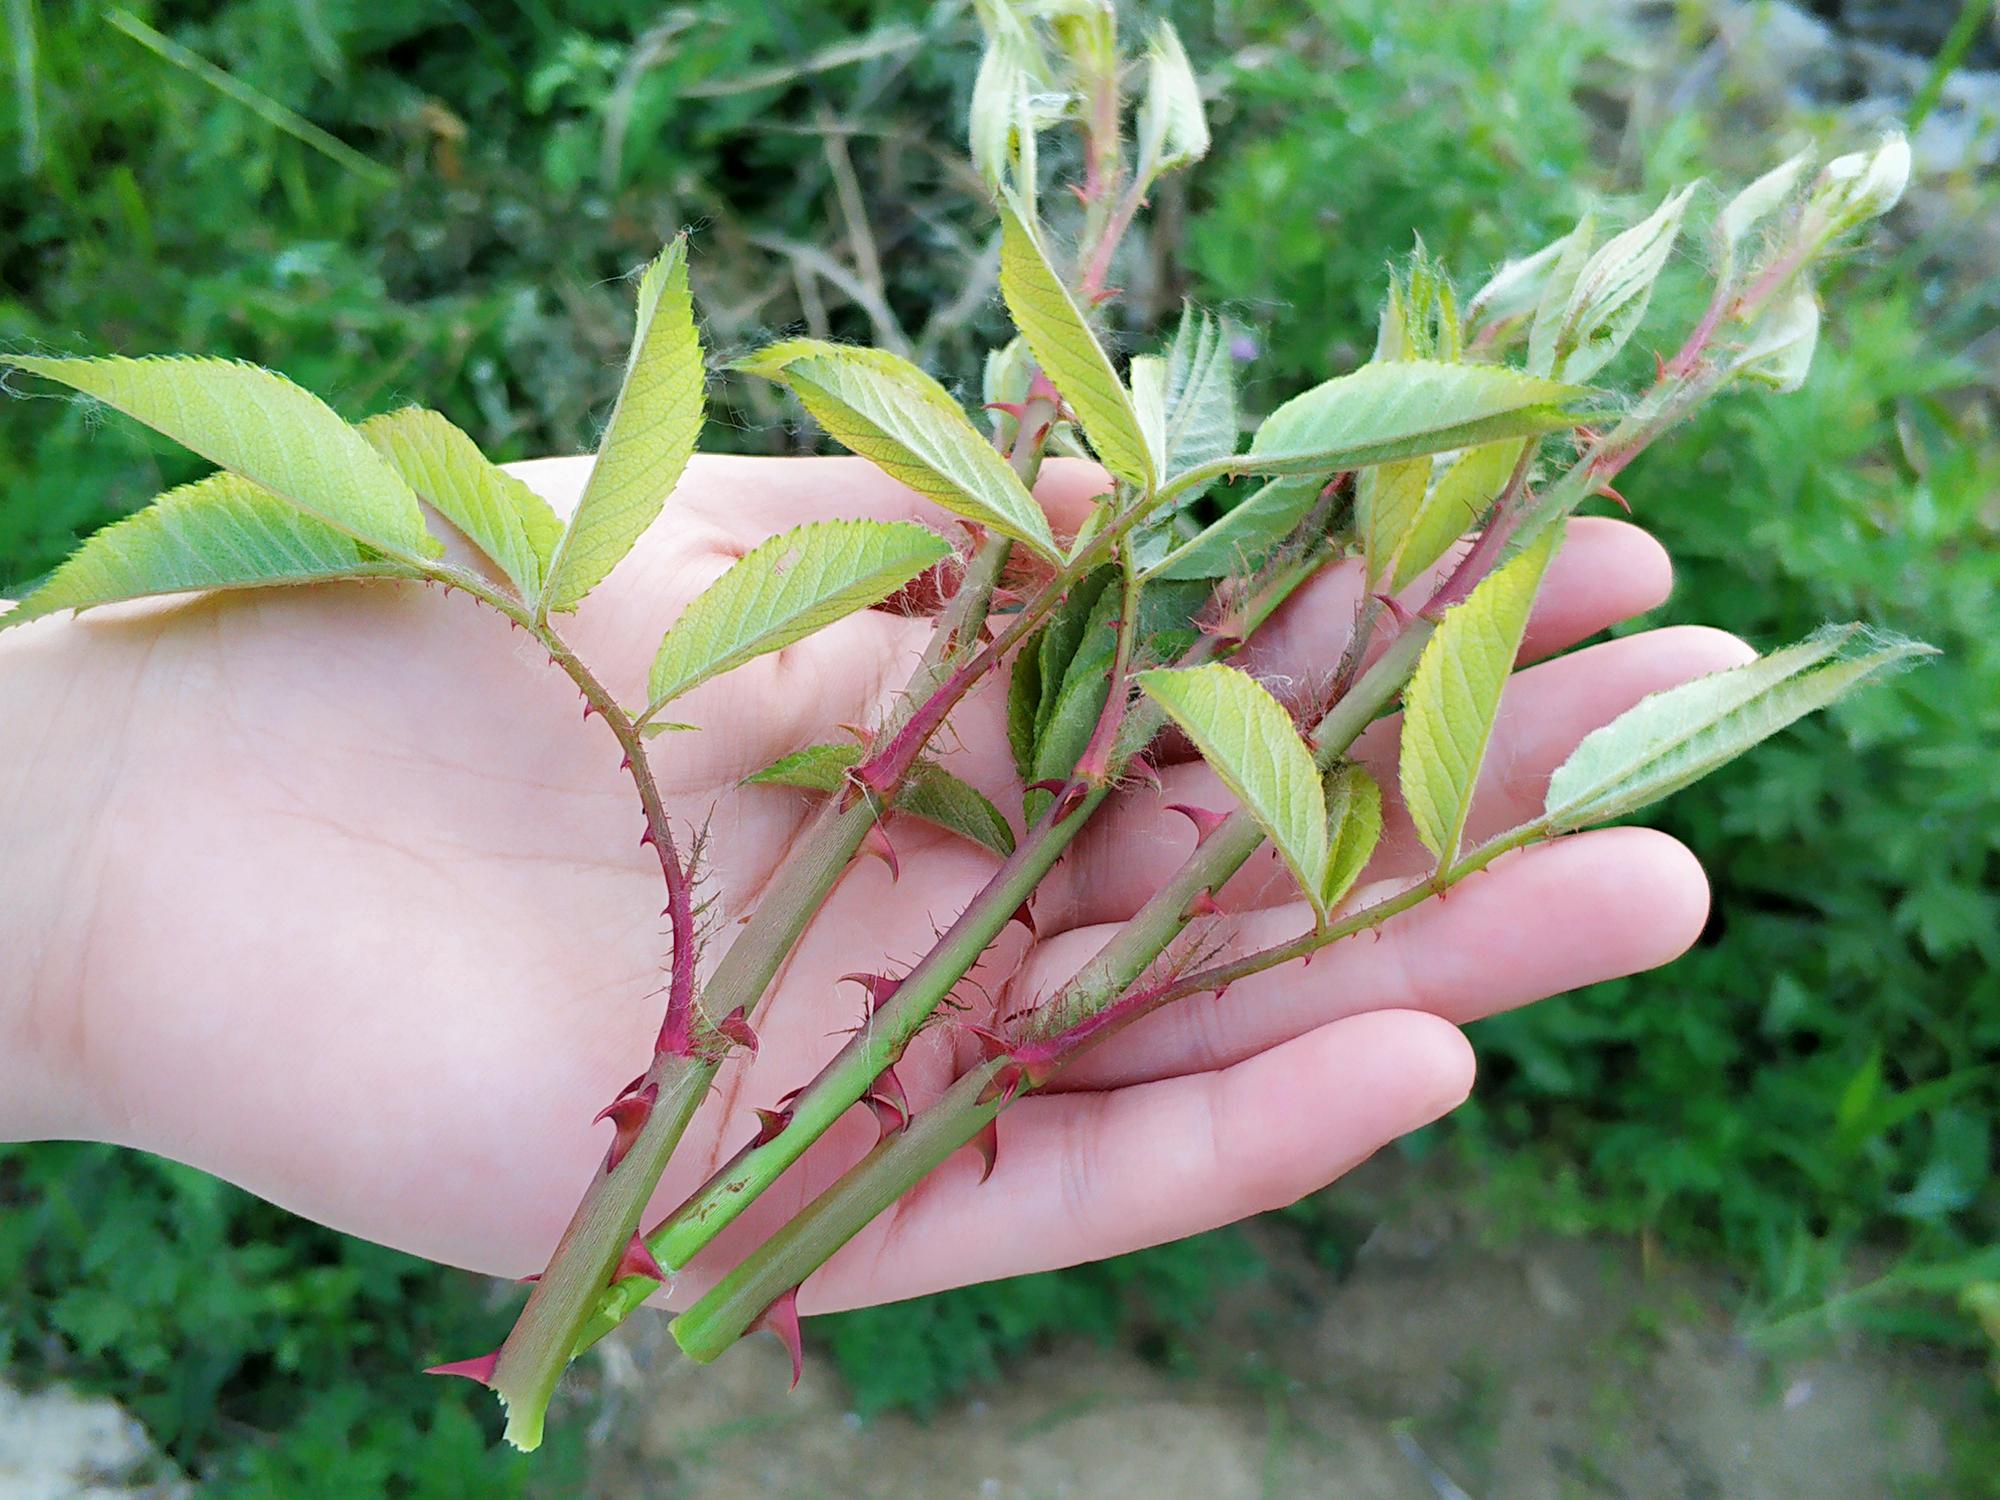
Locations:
{"points": [[1083, 1176], [1607, 571], [1136, 842], [1547, 919]]}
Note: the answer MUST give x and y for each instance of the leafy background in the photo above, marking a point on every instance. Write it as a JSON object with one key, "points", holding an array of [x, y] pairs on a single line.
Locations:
{"points": [[1808, 1099]]}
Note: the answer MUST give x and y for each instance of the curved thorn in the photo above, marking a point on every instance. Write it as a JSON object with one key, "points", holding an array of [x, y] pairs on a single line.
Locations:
{"points": [[782, 1318], [479, 1369], [876, 842], [628, 1114], [736, 1026], [638, 1260], [1205, 819], [987, 1144], [1203, 905]]}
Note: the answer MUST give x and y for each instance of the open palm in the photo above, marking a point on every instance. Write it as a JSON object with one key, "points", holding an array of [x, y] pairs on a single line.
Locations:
{"points": [[335, 893]]}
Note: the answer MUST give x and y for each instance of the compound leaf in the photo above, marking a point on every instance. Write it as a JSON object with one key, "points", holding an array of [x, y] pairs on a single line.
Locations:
{"points": [[648, 441], [1249, 741], [256, 423], [1452, 506], [1675, 737], [505, 519], [785, 589], [1454, 697], [222, 532]]}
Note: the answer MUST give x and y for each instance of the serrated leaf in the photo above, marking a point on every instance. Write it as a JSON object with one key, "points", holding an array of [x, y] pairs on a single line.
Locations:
{"points": [[1068, 351], [1404, 409], [929, 792], [1387, 501], [1675, 737], [222, 532], [1249, 741], [899, 419], [1456, 500], [256, 423], [1454, 697], [1353, 829], [499, 514], [1244, 537], [648, 441], [1515, 290], [783, 590], [1200, 397], [771, 362], [1063, 635]]}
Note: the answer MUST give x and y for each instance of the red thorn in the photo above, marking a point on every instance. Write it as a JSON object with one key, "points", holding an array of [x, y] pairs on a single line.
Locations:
{"points": [[1610, 494], [987, 1144], [624, 762], [1205, 819], [785, 1101], [1014, 409], [528, 1280], [646, 837], [890, 1104], [1026, 918], [628, 1114], [587, 711], [876, 842], [480, 1369], [782, 1318], [770, 1124], [862, 735], [1221, 992], [991, 1043], [1082, 196], [638, 1261], [1396, 611], [736, 1026], [879, 987], [1203, 905], [1139, 768]]}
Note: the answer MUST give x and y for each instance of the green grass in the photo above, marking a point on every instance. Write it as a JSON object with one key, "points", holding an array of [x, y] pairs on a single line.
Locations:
{"points": [[1809, 1097]]}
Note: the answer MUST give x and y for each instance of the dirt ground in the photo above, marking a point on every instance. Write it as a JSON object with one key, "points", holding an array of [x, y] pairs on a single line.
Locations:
{"points": [[1436, 1370]]}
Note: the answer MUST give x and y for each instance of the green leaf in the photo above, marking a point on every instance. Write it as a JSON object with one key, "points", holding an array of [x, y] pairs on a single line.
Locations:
{"points": [[501, 516], [1454, 504], [895, 416], [1404, 409], [1244, 537], [1675, 737], [929, 792], [783, 590], [1612, 291], [1388, 498], [256, 423], [222, 532], [1172, 127], [1070, 709], [1248, 740], [1024, 700], [772, 360], [1353, 829], [1068, 352], [648, 441], [1199, 399], [1454, 697]]}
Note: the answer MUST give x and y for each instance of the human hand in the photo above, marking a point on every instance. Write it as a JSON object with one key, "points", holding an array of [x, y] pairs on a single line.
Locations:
{"points": [[333, 892]]}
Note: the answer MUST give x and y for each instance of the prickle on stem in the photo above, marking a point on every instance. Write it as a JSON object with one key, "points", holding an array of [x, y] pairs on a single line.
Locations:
{"points": [[782, 1318], [628, 1114]]}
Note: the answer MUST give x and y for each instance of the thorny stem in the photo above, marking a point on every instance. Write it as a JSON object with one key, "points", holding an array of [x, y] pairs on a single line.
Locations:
{"points": [[853, 1072], [970, 1106]]}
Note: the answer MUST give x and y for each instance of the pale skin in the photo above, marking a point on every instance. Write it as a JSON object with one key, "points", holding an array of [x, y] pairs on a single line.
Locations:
{"points": [[334, 892]]}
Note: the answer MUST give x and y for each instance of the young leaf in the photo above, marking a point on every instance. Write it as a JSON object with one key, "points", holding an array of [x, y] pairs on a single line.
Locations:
{"points": [[1244, 536], [222, 532], [772, 360], [929, 792], [785, 589], [1454, 504], [1612, 291], [1404, 409], [505, 519], [1024, 701], [1068, 352], [1454, 697], [1558, 286], [1172, 126], [1675, 737], [258, 424], [1199, 399], [647, 443], [1515, 290], [1758, 202], [1353, 828], [902, 421], [1248, 740]]}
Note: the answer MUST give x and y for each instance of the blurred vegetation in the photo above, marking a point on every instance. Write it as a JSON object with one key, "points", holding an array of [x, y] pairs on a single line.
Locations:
{"points": [[1809, 1097]]}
